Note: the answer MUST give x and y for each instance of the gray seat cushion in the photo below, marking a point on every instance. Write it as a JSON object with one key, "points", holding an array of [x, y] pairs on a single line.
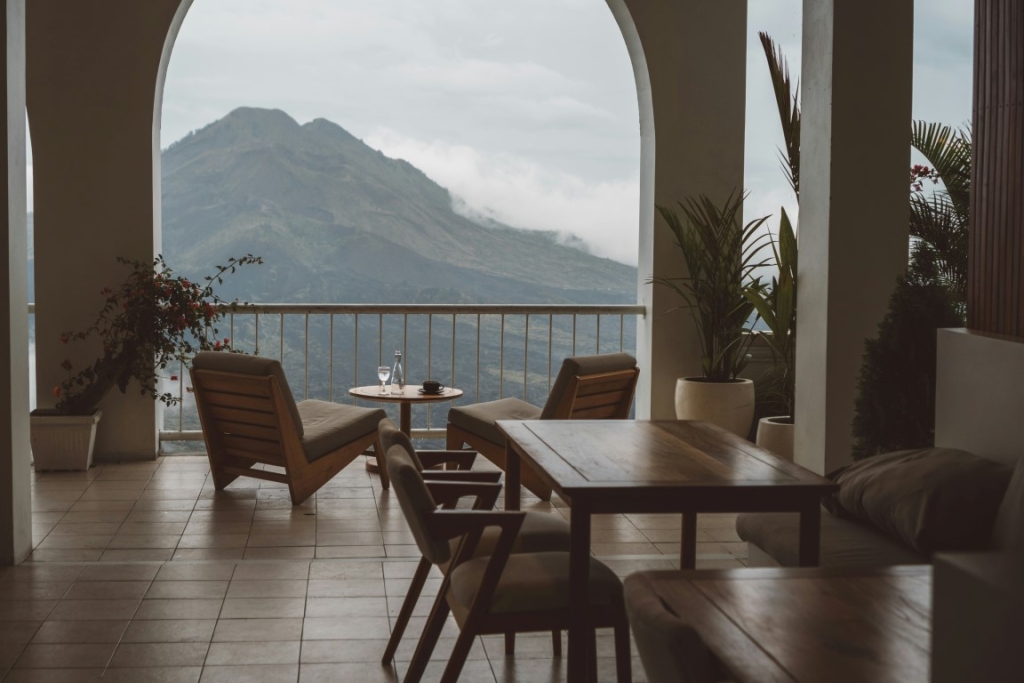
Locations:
{"points": [[541, 532], [844, 542], [479, 418], [533, 582], [583, 365], [329, 426], [244, 364]]}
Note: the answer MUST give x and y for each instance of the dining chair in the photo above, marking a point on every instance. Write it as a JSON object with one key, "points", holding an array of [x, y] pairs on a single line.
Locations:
{"points": [[541, 531], [586, 388], [499, 593], [671, 651], [250, 419]]}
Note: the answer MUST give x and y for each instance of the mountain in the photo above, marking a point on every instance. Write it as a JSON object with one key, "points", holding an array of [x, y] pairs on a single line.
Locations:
{"points": [[337, 221]]}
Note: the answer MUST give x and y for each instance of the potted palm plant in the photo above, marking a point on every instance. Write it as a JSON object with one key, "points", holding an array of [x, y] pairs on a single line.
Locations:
{"points": [[776, 307], [720, 258], [152, 320]]}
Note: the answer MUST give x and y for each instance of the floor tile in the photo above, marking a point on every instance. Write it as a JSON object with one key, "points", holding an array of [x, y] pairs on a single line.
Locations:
{"points": [[267, 589], [94, 610], [196, 572], [187, 589], [179, 609], [106, 590], [153, 675], [242, 653], [54, 676], [119, 572], [241, 630], [80, 632], [346, 588], [159, 654], [346, 607], [170, 631], [266, 673], [365, 672], [265, 571], [65, 656], [263, 608], [346, 628]]}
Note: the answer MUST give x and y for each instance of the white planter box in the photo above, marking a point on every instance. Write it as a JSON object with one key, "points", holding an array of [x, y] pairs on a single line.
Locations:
{"points": [[63, 442]]}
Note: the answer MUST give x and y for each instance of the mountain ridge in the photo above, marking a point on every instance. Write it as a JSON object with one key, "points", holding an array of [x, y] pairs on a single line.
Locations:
{"points": [[341, 221]]}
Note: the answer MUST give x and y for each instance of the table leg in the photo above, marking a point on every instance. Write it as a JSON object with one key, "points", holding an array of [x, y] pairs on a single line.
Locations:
{"points": [[688, 549], [580, 657], [512, 478], [405, 418], [810, 534]]}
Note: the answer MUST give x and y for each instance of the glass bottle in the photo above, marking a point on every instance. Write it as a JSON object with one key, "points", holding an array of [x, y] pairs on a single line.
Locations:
{"points": [[397, 375]]}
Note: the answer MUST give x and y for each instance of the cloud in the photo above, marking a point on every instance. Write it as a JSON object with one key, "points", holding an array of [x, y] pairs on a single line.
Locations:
{"points": [[525, 194]]}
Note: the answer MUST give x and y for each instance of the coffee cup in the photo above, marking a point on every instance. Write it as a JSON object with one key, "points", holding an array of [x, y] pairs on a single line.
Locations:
{"points": [[432, 387]]}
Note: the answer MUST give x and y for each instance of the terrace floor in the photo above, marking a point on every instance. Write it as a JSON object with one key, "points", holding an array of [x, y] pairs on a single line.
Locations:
{"points": [[143, 572]]}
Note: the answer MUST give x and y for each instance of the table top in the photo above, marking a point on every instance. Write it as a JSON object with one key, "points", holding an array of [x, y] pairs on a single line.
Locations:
{"points": [[410, 394], [604, 456], [814, 624]]}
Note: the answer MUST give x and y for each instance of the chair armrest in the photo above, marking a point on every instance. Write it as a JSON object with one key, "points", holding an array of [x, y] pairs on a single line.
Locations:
{"points": [[448, 493], [463, 460], [460, 475]]}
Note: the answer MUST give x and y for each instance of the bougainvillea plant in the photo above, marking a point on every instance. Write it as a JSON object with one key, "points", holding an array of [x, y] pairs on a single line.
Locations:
{"points": [[154, 319]]}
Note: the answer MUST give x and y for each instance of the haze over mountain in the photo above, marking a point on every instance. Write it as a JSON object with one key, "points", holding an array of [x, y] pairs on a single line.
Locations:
{"points": [[339, 222]]}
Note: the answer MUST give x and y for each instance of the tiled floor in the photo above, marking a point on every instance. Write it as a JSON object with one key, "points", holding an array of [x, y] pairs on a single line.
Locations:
{"points": [[142, 572]]}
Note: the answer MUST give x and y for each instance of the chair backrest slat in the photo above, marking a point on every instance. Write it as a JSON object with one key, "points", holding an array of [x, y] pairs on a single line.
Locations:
{"points": [[617, 371], [606, 396]]}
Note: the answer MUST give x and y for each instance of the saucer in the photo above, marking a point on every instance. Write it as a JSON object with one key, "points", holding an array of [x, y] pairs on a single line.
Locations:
{"points": [[431, 393]]}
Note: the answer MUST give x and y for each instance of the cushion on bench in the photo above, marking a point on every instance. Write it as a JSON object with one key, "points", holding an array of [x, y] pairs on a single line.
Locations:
{"points": [[844, 542], [479, 418], [329, 426]]}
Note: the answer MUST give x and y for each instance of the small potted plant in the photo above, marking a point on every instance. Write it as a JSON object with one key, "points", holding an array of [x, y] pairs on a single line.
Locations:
{"points": [[720, 256], [155, 318], [776, 306]]}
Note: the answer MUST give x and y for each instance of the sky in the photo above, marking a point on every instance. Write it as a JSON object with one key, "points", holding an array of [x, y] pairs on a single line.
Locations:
{"points": [[525, 111]]}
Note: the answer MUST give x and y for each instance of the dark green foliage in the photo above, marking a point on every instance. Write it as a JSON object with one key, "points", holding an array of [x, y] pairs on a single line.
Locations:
{"points": [[720, 259], [895, 407]]}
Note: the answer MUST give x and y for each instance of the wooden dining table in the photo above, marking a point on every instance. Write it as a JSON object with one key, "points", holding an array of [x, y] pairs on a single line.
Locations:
{"points": [[640, 466], [802, 625]]}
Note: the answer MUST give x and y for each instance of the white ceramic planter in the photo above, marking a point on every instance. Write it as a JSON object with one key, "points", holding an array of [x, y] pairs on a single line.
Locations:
{"points": [[63, 442], [729, 405], [776, 436]]}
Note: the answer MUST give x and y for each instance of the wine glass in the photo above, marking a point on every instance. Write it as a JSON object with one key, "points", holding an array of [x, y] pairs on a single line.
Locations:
{"points": [[383, 372]]}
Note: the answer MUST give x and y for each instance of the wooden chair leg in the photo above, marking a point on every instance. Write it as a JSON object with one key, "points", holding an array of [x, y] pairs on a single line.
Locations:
{"points": [[623, 656], [556, 643], [592, 655], [510, 644], [457, 660], [378, 451], [415, 588], [428, 639]]}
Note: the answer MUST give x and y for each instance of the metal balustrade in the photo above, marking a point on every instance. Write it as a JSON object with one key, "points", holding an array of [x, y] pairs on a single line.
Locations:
{"points": [[489, 351]]}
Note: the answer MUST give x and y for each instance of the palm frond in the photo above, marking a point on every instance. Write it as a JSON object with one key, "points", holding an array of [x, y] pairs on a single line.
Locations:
{"points": [[789, 109]]}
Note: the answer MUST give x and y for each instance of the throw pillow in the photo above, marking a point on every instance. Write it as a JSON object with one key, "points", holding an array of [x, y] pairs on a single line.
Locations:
{"points": [[932, 499], [1008, 532]]}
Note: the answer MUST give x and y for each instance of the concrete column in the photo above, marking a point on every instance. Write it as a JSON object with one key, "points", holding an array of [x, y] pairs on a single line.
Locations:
{"points": [[857, 77], [692, 112], [94, 75], [15, 472]]}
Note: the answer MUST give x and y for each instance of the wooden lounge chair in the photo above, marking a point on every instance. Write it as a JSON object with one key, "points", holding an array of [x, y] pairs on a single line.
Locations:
{"points": [[501, 592], [250, 419], [586, 388]]}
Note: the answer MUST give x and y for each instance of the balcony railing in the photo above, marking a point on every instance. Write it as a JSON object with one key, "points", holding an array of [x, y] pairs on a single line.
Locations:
{"points": [[488, 351]]}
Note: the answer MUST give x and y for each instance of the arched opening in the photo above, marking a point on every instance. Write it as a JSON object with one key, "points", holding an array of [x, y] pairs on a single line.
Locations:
{"points": [[511, 187]]}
